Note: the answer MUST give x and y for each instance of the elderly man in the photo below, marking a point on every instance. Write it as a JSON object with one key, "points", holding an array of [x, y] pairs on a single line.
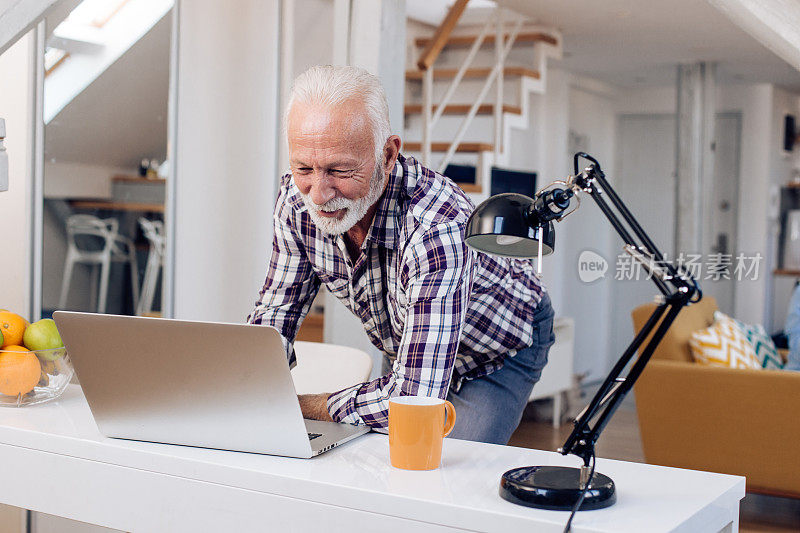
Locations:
{"points": [[386, 236]]}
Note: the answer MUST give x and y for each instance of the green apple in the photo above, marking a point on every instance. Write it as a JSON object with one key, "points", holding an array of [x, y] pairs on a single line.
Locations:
{"points": [[43, 335]]}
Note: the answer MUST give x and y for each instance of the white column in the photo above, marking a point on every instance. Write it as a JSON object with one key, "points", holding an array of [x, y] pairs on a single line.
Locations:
{"points": [[341, 34], [378, 44], [226, 127], [287, 64], [695, 157], [498, 100]]}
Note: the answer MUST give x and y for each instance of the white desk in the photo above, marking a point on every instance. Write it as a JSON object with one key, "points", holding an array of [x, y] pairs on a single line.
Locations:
{"points": [[55, 461]]}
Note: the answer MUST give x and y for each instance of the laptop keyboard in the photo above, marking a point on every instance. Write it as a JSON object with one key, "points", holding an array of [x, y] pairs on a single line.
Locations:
{"points": [[312, 436]]}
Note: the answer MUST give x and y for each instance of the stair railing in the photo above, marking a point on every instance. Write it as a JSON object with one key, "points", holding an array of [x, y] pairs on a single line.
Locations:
{"points": [[481, 96], [451, 89], [426, 62]]}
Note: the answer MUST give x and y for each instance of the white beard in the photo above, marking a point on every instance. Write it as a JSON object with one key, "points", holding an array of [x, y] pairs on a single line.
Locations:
{"points": [[355, 210]]}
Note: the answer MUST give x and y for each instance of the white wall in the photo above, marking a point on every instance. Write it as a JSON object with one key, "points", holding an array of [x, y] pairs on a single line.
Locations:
{"points": [[78, 180], [652, 100], [571, 103], [550, 116], [227, 118], [313, 34], [16, 94], [592, 116], [15, 206], [378, 44]]}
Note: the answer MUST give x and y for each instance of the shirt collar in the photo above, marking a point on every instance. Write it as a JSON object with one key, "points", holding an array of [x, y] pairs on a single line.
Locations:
{"points": [[386, 225]]}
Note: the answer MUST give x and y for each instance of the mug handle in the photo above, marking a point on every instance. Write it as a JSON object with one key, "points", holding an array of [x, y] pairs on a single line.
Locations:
{"points": [[450, 420]]}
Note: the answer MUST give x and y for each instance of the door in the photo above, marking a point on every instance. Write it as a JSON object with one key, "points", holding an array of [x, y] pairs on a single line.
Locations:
{"points": [[718, 281], [647, 182]]}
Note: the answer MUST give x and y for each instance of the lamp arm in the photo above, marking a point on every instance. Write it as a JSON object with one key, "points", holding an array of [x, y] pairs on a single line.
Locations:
{"points": [[582, 439], [678, 289]]}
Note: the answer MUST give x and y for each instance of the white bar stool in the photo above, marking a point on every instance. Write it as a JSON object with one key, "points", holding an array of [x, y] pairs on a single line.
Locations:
{"points": [[154, 232], [82, 232]]}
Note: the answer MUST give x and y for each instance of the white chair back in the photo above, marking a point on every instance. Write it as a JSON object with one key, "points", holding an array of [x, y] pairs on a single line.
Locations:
{"points": [[85, 232], [154, 232], [95, 241], [328, 367]]}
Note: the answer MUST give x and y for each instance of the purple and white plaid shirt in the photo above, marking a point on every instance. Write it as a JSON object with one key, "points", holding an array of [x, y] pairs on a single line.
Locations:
{"points": [[437, 308]]}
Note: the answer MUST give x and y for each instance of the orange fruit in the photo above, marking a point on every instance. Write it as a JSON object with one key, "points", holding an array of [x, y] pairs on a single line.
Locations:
{"points": [[13, 327], [20, 370]]}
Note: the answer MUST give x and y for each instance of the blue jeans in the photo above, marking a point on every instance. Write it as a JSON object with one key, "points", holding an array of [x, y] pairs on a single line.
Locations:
{"points": [[488, 409], [793, 331]]}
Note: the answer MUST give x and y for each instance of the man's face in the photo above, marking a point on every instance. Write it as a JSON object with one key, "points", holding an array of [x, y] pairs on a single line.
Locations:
{"points": [[333, 163]]}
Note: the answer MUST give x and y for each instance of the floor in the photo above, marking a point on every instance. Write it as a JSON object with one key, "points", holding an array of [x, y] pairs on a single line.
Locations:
{"points": [[620, 440]]}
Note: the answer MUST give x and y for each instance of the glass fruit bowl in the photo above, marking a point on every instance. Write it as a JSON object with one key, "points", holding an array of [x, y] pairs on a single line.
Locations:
{"points": [[28, 377]]}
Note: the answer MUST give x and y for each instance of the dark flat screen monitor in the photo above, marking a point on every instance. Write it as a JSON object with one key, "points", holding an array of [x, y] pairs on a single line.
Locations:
{"points": [[504, 180], [460, 173]]}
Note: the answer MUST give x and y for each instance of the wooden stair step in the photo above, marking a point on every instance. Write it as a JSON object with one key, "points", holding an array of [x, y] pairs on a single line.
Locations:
{"points": [[477, 72], [443, 146], [467, 40], [470, 187], [463, 109]]}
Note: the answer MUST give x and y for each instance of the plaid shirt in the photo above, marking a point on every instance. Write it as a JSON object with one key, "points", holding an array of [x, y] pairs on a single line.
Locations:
{"points": [[438, 309]]}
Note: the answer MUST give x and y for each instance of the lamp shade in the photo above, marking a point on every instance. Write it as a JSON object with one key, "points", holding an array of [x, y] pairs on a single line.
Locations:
{"points": [[503, 225]]}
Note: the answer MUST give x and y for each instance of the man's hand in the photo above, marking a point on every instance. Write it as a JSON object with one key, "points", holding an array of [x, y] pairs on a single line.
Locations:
{"points": [[315, 406]]}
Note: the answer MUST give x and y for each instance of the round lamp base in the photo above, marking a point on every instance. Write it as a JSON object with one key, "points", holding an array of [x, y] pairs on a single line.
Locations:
{"points": [[556, 488]]}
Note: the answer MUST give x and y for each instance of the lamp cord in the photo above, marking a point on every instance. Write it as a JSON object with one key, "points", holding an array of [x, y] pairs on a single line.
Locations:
{"points": [[582, 496]]}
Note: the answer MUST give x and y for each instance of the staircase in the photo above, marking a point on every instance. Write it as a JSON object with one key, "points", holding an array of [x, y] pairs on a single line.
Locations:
{"points": [[471, 86]]}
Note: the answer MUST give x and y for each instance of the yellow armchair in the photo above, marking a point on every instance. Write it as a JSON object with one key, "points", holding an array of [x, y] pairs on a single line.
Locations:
{"points": [[733, 421]]}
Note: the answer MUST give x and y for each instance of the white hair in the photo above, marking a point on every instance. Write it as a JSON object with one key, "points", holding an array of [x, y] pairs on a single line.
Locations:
{"points": [[334, 85]]}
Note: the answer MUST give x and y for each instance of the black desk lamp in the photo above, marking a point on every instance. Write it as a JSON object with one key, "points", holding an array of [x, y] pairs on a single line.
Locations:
{"points": [[514, 225]]}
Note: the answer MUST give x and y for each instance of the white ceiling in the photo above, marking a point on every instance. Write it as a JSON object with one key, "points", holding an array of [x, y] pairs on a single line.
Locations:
{"points": [[122, 116], [639, 42], [636, 43]]}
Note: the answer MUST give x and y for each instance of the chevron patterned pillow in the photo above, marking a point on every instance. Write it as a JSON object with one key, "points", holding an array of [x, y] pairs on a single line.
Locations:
{"points": [[766, 352], [723, 344]]}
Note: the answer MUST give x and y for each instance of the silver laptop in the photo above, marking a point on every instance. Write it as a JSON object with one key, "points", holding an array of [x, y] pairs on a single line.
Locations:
{"points": [[222, 386]]}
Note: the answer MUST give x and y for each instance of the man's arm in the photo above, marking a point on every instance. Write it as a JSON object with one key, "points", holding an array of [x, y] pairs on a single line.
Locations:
{"points": [[439, 271], [291, 284], [315, 406]]}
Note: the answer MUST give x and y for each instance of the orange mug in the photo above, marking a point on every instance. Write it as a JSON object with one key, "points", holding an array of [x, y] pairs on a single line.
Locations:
{"points": [[417, 426]]}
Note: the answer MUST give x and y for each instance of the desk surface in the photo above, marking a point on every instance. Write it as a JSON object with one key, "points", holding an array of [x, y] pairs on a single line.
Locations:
{"points": [[463, 495]]}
